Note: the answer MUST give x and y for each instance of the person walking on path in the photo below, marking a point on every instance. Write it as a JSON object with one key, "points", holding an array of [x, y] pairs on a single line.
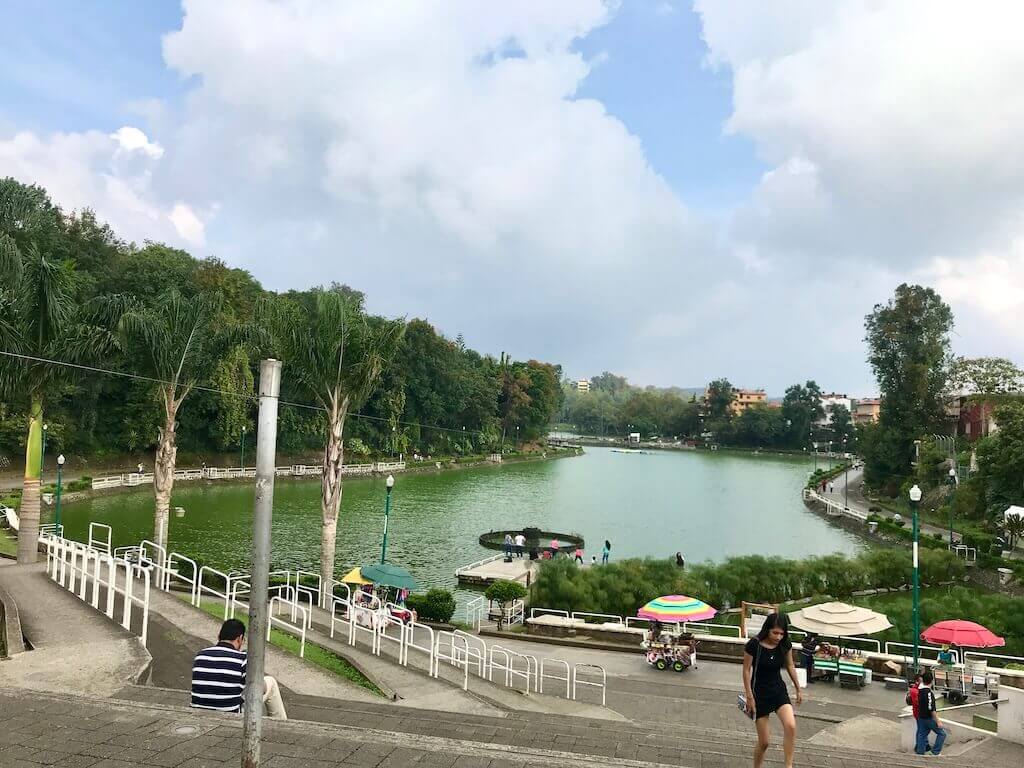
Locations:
{"points": [[218, 675], [508, 546], [606, 552], [520, 544], [764, 658], [928, 718]]}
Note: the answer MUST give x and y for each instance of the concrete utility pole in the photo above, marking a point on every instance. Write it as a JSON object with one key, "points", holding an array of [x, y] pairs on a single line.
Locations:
{"points": [[266, 446]]}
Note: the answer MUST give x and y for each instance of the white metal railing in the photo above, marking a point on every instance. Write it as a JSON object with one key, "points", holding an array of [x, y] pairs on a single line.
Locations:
{"points": [[172, 572], [132, 479], [910, 646], [95, 542], [73, 564], [476, 611], [511, 613], [365, 619], [998, 656], [454, 657], [478, 563], [430, 649], [602, 686], [480, 650], [345, 618], [833, 507], [299, 629], [204, 588], [51, 530], [545, 675], [314, 593], [970, 554], [384, 623]]}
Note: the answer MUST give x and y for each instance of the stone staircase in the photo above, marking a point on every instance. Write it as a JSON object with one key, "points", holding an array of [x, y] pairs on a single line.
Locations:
{"points": [[538, 738]]}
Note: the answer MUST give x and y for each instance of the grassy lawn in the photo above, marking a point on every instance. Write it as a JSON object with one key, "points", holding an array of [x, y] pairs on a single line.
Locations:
{"points": [[8, 544], [315, 654]]}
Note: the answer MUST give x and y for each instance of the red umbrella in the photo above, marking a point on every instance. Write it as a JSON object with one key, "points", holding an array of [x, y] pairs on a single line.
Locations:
{"points": [[962, 633]]}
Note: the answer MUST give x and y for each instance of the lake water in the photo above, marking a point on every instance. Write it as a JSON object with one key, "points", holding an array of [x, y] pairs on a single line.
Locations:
{"points": [[706, 505]]}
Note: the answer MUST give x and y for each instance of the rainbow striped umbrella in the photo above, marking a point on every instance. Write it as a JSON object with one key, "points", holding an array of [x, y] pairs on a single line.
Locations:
{"points": [[674, 609]]}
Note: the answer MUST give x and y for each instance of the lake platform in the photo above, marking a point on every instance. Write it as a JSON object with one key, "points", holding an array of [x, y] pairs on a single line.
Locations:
{"points": [[494, 568]]}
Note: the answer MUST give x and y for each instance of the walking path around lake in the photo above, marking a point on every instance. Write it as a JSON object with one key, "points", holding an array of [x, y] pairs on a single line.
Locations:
{"points": [[857, 502]]}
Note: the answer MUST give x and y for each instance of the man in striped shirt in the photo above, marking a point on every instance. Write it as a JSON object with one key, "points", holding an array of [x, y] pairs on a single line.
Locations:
{"points": [[218, 675]]}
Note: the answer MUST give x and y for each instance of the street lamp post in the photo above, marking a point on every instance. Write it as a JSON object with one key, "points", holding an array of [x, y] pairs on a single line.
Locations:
{"points": [[243, 448], [390, 483], [56, 514], [953, 482], [915, 500], [846, 478]]}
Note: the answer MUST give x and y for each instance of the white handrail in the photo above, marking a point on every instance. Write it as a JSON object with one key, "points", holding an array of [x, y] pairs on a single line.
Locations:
{"points": [[383, 622], [549, 612], [346, 619], [97, 543], [300, 629], [603, 685], [986, 656], [171, 572], [478, 563], [543, 675], [225, 595], [481, 653], [430, 650]]}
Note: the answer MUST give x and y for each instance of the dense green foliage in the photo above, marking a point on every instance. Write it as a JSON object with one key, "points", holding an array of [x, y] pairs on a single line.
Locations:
{"points": [[908, 350], [435, 605], [504, 592], [623, 587], [470, 398]]}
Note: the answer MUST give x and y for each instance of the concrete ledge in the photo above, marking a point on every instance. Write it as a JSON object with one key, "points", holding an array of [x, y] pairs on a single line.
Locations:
{"points": [[10, 624]]}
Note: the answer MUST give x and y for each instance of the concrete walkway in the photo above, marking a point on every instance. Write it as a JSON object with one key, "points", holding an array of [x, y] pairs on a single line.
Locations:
{"points": [[856, 500], [74, 647]]}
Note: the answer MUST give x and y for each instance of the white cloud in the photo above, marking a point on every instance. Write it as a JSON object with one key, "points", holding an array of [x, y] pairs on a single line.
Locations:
{"points": [[132, 139], [894, 129], [112, 174], [188, 225]]}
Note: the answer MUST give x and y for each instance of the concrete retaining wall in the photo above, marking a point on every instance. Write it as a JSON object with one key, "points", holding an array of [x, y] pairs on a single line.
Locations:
{"points": [[10, 625]]}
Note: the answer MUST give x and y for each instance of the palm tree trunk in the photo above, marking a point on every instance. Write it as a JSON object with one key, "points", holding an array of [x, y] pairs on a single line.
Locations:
{"points": [[28, 526], [163, 470], [330, 492]]}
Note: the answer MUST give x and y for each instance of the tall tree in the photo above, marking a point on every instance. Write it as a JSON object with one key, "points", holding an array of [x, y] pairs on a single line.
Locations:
{"points": [[841, 424], [41, 320], [801, 408], [334, 354], [719, 397], [908, 349], [172, 339], [1001, 459]]}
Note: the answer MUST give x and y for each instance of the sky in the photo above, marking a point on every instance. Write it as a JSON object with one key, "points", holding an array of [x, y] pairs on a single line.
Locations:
{"points": [[672, 191]]}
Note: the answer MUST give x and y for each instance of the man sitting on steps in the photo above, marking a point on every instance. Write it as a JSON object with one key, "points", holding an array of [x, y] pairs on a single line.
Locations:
{"points": [[218, 675]]}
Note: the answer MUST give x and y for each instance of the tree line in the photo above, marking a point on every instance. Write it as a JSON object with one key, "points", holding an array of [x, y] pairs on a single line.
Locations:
{"points": [[187, 334], [614, 407]]}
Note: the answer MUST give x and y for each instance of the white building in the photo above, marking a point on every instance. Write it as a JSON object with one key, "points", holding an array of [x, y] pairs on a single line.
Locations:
{"points": [[831, 399], [583, 386]]}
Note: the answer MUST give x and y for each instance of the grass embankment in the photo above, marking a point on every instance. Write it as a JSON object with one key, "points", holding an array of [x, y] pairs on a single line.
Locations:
{"points": [[315, 654]]}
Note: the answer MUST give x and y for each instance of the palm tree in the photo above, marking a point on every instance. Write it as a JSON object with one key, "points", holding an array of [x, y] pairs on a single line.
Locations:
{"points": [[335, 355], [1013, 529], [41, 321], [172, 340]]}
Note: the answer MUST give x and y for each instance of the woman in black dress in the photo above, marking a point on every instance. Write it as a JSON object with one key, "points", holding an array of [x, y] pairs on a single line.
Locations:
{"points": [[764, 658]]}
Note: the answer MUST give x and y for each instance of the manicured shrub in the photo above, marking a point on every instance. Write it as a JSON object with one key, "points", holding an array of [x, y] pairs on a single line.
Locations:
{"points": [[436, 605]]}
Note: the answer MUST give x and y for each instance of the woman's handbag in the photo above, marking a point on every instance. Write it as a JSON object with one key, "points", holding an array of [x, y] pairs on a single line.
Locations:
{"points": [[741, 699]]}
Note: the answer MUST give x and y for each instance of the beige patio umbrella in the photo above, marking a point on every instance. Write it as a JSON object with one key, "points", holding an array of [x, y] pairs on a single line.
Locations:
{"points": [[839, 620]]}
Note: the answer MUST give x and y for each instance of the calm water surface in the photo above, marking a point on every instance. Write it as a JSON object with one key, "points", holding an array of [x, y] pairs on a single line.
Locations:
{"points": [[707, 505]]}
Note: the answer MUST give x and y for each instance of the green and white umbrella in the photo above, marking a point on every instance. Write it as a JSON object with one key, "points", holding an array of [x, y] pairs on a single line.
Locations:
{"points": [[388, 575]]}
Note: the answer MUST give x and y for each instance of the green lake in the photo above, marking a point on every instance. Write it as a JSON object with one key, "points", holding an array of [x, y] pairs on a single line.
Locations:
{"points": [[706, 505]]}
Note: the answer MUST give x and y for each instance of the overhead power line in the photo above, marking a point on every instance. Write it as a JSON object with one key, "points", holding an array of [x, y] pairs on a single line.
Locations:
{"points": [[228, 393]]}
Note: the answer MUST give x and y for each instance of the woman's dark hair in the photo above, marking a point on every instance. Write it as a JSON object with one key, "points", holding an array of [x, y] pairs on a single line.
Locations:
{"points": [[776, 621], [607, 544]]}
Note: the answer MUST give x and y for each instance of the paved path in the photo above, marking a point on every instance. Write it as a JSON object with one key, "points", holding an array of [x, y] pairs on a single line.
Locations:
{"points": [[856, 500], [75, 647], [43, 729]]}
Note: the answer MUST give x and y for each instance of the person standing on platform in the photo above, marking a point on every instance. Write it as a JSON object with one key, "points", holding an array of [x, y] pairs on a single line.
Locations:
{"points": [[606, 552]]}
